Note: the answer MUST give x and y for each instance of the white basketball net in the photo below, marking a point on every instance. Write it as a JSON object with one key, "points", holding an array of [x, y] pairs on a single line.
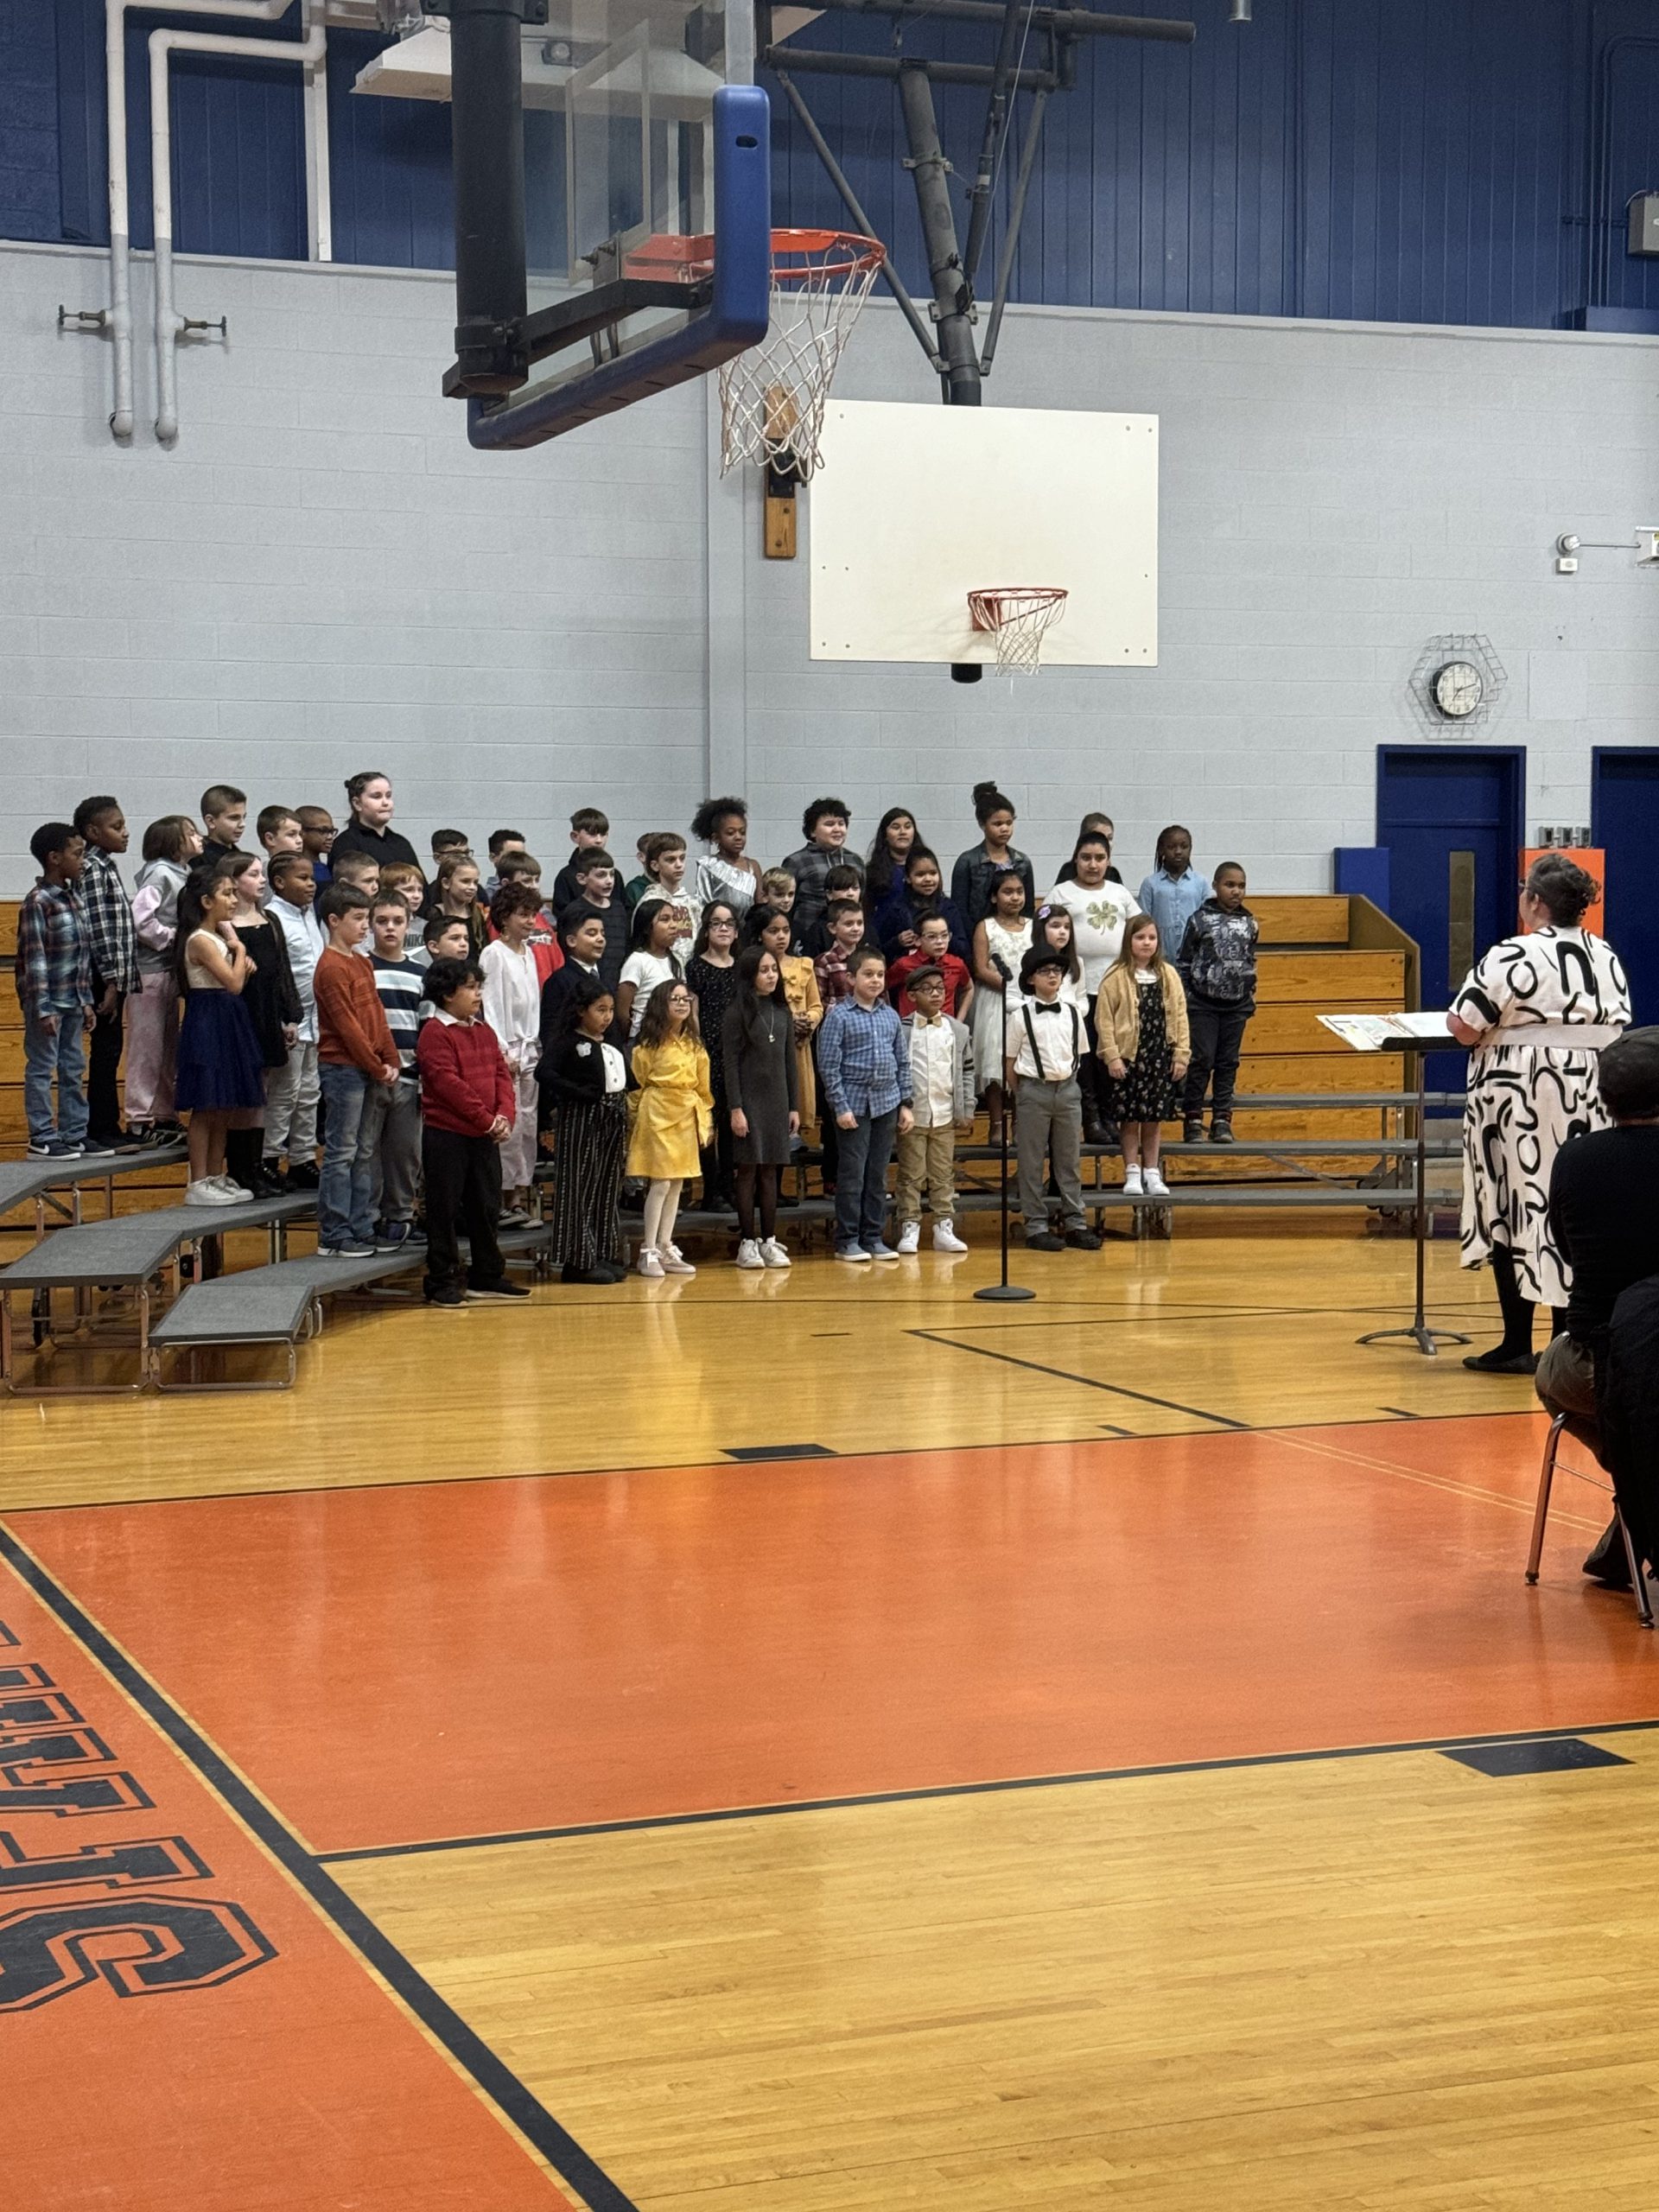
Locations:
{"points": [[771, 397], [1019, 616]]}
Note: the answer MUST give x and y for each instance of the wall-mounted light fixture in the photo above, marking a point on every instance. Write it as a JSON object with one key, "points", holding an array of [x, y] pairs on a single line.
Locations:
{"points": [[1645, 546]]}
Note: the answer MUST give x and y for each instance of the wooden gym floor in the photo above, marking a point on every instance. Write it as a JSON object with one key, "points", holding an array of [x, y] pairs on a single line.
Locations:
{"points": [[817, 1742]]}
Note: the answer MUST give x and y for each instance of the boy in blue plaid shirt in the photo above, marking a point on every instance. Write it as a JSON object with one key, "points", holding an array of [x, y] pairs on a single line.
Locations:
{"points": [[112, 948], [54, 989], [864, 1065]]}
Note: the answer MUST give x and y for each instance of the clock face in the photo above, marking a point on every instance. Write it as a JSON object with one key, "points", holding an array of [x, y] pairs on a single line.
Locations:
{"points": [[1457, 689]]}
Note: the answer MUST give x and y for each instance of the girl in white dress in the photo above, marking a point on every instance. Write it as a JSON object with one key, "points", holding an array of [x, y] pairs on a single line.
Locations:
{"points": [[1535, 1013], [1005, 933]]}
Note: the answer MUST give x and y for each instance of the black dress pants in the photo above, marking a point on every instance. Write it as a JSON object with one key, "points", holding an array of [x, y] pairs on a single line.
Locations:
{"points": [[104, 1068], [1218, 1040], [463, 1191]]}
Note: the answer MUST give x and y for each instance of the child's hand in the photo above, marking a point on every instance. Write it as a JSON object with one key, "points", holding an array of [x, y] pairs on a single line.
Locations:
{"points": [[291, 1035], [794, 1125], [845, 1121], [1177, 1072], [964, 1128], [906, 1121], [1116, 1070], [739, 1122], [389, 1072], [500, 1130], [47, 1025], [227, 931]]}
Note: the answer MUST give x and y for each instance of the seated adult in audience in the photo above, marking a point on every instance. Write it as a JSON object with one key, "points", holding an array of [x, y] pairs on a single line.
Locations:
{"points": [[1604, 1218]]}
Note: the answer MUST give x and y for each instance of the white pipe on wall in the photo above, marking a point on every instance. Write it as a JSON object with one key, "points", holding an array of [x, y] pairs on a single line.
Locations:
{"points": [[115, 94], [309, 50]]}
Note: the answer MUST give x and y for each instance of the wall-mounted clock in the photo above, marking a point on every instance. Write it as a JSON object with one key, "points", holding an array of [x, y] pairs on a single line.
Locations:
{"points": [[1457, 684]]}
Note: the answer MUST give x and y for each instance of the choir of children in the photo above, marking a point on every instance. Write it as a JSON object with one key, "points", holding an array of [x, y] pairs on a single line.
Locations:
{"points": [[676, 1029]]}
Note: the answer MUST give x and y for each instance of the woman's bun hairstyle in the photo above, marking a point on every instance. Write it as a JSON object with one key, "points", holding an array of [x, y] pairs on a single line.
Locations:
{"points": [[1565, 887]]}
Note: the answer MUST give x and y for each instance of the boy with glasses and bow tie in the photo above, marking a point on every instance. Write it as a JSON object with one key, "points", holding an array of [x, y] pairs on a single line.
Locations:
{"points": [[1046, 1042]]}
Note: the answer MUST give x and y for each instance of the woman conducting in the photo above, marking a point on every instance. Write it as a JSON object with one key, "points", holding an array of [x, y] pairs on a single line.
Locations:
{"points": [[1535, 1011]]}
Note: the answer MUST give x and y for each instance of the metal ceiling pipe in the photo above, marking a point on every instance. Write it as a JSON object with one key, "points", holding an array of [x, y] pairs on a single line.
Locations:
{"points": [[170, 326], [115, 95]]}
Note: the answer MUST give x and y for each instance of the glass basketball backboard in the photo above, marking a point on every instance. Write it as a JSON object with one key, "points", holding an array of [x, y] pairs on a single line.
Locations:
{"points": [[646, 196]]}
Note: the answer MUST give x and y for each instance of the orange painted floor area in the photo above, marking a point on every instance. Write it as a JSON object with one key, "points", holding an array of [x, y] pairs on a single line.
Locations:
{"points": [[181, 2027], [397, 1665]]}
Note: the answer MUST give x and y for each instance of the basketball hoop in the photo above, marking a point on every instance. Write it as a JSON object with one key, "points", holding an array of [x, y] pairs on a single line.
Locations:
{"points": [[1019, 616], [771, 397]]}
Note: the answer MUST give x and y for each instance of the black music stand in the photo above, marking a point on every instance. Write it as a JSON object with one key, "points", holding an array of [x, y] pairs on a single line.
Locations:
{"points": [[1427, 1340], [1003, 1290]]}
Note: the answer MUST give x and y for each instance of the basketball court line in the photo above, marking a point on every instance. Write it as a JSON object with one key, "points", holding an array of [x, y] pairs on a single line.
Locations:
{"points": [[676, 1466], [1089, 1381], [999, 1786], [465, 2048]]}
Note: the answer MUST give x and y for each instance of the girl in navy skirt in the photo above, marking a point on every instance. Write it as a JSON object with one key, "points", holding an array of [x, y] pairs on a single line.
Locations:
{"points": [[221, 1069]]}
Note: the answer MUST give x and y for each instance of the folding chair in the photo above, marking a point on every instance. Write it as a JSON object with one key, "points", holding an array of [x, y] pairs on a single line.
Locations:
{"points": [[1546, 1479]]}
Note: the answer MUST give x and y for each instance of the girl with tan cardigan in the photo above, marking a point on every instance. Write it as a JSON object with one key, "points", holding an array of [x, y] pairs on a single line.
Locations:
{"points": [[1140, 1016]]}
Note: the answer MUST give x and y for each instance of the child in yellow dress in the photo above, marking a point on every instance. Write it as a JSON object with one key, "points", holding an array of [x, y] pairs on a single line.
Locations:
{"points": [[675, 1118]]}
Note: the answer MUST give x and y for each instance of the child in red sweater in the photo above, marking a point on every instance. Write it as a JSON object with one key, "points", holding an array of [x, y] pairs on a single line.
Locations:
{"points": [[933, 950], [467, 1105]]}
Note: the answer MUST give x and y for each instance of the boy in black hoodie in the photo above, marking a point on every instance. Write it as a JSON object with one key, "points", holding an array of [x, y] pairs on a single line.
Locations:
{"points": [[1217, 965]]}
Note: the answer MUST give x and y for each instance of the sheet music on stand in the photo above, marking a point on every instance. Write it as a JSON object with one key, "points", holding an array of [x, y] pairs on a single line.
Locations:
{"points": [[1375, 1032], [1421, 1034]]}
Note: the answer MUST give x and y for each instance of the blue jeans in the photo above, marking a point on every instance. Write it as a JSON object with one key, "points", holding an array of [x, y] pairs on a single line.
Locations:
{"points": [[65, 1057], [861, 1179], [346, 1187]]}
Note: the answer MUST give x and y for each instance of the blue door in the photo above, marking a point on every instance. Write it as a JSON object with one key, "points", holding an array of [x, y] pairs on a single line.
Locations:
{"points": [[1452, 817], [1625, 812]]}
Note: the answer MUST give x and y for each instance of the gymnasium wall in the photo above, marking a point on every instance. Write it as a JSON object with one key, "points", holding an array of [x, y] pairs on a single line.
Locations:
{"points": [[322, 577], [1432, 161]]}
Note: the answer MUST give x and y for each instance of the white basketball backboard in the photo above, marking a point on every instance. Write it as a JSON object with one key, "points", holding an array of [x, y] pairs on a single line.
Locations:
{"points": [[915, 506]]}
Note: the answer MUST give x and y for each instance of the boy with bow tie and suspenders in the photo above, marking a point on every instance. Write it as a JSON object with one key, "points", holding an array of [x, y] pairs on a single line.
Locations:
{"points": [[1046, 1043]]}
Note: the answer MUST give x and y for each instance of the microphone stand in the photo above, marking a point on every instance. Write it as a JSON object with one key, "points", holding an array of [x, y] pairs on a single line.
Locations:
{"points": [[1003, 1289]]}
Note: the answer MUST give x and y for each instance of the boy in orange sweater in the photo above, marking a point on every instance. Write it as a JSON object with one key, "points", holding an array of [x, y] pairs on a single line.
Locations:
{"points": [[467, 1105], [354, 1050]]}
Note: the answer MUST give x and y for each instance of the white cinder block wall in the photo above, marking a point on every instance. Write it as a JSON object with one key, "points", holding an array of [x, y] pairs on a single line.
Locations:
{"points": [[322, 575]]}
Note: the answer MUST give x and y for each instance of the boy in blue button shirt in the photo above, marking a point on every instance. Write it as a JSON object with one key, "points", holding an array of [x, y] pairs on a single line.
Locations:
{"points": [[864, 1066]]}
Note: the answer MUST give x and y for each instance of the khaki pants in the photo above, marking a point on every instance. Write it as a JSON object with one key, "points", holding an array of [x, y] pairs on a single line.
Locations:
{"points": [[1565, 1383], [927, 1158]]}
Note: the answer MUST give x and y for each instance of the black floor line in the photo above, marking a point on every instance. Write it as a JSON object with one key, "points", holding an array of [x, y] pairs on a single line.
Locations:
{"points": [[503, 2088], [677, 1466], [716, 1816], [1089, 1381]]}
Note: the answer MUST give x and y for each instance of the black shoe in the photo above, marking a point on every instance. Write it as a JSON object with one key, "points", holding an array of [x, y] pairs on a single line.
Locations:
{"points": [[1607, 1563], [1500, 1361], [1193, 1133], [271, 1171], [445, 1293], [1109, 1132], [501, 1289], [1222, 1133], [1094, 1133], [93, 1147], [1044, 1241], [611, 1271], [1081, 1240], [303, 1175], [587, 1274]]}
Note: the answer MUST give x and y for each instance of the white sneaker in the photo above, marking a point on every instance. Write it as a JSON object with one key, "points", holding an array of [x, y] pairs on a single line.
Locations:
{"points": [[945, 1238], [648, 1262], [209, 1192], [910, 1238], [748, 1254], [774, 1252], [1132, 1183], [1155, 1185], [675, 1261]]}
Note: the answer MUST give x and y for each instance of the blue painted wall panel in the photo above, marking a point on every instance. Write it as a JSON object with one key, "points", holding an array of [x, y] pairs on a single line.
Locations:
{"points": [[1437, 161]]}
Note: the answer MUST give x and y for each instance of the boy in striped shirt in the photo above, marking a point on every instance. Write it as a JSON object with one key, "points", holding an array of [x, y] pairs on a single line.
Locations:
{"points": [[391, 1113]]}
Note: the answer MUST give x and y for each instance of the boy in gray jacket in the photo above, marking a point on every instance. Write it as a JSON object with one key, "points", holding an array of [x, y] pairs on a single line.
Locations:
{"points": [[942, 1102]]}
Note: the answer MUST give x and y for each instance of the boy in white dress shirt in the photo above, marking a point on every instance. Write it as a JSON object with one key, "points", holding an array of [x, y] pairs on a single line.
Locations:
{"points": [[941, 1103], [1047, 1042]]}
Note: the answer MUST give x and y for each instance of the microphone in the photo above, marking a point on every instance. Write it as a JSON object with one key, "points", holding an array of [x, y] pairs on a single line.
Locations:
{"points": [[1002, 967]]}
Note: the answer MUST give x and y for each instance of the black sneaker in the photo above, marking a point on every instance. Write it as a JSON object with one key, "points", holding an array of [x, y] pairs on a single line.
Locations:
{"points": [[502, 1289], [1082, 1239], [44, 1149], [91, 1147], [1221, 1133], [1193, 1133], [445, 1293], [303, 1175], [1044, 1241], [574, 1275]]}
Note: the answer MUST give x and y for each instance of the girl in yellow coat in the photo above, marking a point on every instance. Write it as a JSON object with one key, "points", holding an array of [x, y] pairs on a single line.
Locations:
{"points": [[675, 1116], [1141, 1019]]}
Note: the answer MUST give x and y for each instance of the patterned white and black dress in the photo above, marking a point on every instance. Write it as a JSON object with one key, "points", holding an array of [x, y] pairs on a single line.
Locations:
{"points": [[1527, 1098]]}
